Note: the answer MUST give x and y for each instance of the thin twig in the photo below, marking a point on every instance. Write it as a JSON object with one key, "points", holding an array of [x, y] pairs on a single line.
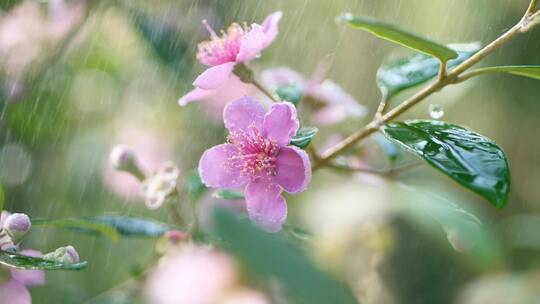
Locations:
{"points": [[261, 88], [532, 7]]}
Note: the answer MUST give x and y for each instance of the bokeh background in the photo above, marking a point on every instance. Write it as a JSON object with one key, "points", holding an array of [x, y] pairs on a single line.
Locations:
{"points": [[79, 77]]}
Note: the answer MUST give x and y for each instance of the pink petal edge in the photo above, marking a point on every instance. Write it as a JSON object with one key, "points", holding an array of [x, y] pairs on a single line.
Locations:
{"points": [[265, 205], [293, 169], [215, 76]]}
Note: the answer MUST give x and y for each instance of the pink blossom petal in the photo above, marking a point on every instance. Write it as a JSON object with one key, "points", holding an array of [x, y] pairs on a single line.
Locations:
{"points": [[15, 293], [217, 169], [275, 77], [195, 95], [265, 204], [29, 277], [252, 44], [270, 27], [330, 115], [240, 114], [281, 123], [293, 169], [3, 216], [215, 76]]}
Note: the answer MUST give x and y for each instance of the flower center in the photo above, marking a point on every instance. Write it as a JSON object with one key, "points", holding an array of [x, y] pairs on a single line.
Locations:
{"points": [[219, 50], [256, 155]]}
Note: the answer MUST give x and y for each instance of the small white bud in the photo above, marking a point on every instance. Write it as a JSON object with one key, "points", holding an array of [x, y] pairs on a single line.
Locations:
{"points": [[66, 254], [122, 158]]}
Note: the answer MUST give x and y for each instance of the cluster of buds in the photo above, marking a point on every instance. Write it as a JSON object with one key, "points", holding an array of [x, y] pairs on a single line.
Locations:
{"points": [[156, 188], [13, 228]]}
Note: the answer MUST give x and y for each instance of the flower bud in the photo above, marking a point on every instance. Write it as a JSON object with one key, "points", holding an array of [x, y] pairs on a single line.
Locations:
{"points": [[161, 185], [17, 225], [66, 254], [122, 158]]}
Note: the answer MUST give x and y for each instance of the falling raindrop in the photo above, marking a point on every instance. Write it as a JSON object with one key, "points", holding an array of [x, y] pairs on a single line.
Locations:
{"points": [[16, 164], [436, 111]]}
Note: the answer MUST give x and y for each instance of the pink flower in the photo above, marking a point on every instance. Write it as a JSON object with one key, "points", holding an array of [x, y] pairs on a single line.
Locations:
{"points": [[192, 275], [16, 288], [237, 45], [337, 105], [259, 158]]}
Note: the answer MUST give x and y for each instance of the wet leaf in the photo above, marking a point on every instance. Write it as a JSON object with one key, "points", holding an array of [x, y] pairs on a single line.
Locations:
{"points": [[304, 136], [229, 194], [396, 76], [400, 36], [20, 261], [132, 226], [272, 256], [81, 225], [531, 71], [290, 92], [112, 226], [469, 158]]}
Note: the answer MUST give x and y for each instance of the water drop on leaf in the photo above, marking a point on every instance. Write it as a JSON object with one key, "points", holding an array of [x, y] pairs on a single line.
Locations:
{"points": [[436, 111]]}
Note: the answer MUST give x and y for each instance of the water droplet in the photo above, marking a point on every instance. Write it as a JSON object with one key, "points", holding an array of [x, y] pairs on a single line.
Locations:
{"points": [[436, 111]]}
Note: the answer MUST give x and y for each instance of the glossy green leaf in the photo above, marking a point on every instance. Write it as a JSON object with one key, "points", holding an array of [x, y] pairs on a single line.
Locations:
{"points": [[304, 136], [402, 74], [469, 158], [229, 194], [531, 71], [112, 226], [271, 256], [20, 261], [400, 36], [290, 92], [81, 225]]}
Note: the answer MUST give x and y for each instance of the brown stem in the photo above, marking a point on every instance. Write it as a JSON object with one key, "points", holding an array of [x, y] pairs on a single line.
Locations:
{"points": [[261, 88]]}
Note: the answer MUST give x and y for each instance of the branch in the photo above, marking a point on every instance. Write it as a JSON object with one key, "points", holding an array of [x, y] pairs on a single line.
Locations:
{"points": [[532, 7], [440, 83]]}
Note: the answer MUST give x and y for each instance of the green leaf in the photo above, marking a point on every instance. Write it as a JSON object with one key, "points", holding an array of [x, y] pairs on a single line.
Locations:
{"points": [[304, 136], [112, 226], [467, 157], [81, 225], [132, 226], [271, 256], [195, 186], [531, 71], [20, 261], [405, 38], [290, 92], [229, 194], [396, 76], [1, 198]]}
